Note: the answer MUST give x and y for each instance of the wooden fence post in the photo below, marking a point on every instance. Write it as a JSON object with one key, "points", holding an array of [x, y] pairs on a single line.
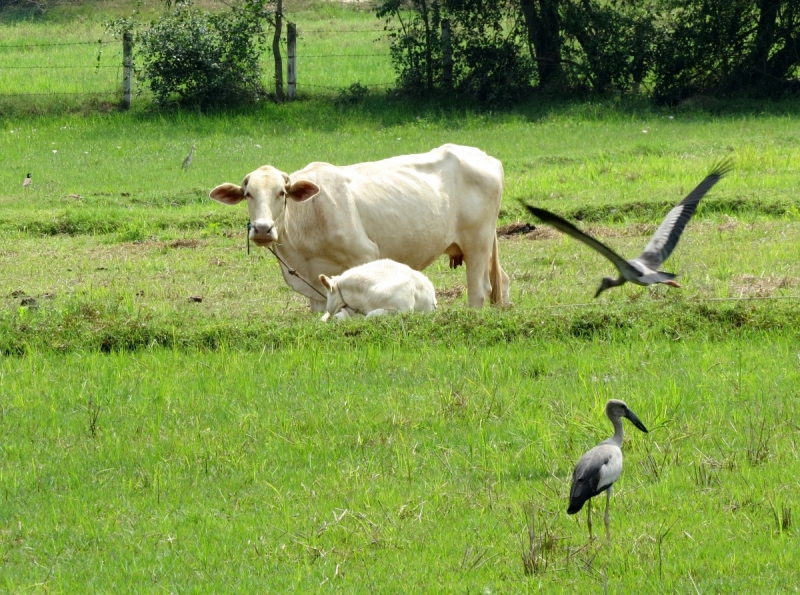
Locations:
{"points": [[127, 68], [447, 55], [291, 66], [276, 52]]}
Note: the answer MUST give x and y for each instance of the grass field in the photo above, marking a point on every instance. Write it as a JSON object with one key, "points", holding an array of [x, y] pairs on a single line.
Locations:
{"points": [[377, 469], [151, 443]]}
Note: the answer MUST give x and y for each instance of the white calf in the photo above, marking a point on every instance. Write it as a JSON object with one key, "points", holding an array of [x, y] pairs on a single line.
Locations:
{"points": [[378, 287]]}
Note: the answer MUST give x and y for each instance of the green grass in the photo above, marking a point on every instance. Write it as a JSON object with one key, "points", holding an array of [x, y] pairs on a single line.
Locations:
{"points": [[150, 442], [68, 60], [387, 469]]}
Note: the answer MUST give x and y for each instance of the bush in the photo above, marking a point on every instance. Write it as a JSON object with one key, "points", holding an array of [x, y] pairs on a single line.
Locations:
{"points": [[489, 59], [202, 59], [611, 44]]}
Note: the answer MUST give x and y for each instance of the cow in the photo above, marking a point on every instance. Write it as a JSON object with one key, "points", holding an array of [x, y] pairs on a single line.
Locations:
{"points": [[325, 219], [376, 288]]}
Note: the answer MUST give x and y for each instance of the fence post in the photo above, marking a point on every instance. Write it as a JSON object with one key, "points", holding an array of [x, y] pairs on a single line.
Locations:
{"points": [[276, 52], [291, 72], [127, 68], [447, 55]]}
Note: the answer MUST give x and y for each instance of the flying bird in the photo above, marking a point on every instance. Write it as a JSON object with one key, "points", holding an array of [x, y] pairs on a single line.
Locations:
{"points": [[644, 269], [599, 468], [188, 161], [27, 181]]}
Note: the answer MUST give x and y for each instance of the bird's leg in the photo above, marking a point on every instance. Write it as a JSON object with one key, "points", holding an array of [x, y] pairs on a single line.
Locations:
{"points": [[589, 517], [608, 502]]}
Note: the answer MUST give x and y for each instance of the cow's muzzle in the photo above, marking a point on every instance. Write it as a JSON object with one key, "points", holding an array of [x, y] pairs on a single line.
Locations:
{"points": [[263, 234]]}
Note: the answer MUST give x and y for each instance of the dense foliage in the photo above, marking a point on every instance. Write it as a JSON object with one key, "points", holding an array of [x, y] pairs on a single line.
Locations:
{"points": [[674, 48], [204, 59]]}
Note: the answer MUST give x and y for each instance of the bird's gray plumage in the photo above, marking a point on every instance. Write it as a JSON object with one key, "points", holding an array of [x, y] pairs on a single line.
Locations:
{"points": [[27, 181], [600, 467], [188, 161], [643, 270]]}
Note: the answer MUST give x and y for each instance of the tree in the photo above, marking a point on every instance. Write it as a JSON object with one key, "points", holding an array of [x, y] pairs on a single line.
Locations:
{"points": [[489, 62], [722, 47], [543, 23]]}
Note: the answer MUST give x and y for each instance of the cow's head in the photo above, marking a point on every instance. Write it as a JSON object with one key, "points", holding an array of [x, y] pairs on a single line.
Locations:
{"points": [[336, 306], [267, 191]]}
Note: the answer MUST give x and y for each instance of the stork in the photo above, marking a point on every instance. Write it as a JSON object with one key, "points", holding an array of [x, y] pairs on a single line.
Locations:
{"points": [[644, 269], [599, 468], [188, 161]]}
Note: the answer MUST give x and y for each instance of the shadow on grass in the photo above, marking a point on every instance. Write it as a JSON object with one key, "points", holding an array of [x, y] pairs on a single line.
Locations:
{"points": [[103, 328]]}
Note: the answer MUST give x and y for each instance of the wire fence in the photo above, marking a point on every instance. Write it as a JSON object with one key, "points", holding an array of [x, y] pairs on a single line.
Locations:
{"points": [[95, 68]]}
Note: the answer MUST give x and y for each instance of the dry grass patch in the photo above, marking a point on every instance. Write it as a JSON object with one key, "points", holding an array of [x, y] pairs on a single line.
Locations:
{"points": [[542, 233], [634, 230], [515, 229], [753, 286], [449, 294], [730, 224]]}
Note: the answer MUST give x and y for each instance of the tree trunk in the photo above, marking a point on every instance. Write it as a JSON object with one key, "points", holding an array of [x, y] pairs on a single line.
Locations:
{"points": [[428, 58], [276, 52], [544, 34], [765, 37]]}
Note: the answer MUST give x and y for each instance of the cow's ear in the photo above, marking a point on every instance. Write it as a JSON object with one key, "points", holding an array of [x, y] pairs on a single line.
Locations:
{"points": [[229, 194], [327, 282], [302, 190]]}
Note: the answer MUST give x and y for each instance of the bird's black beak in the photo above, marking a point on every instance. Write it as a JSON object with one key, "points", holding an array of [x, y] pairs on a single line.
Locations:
{"points": [[635, 420]]}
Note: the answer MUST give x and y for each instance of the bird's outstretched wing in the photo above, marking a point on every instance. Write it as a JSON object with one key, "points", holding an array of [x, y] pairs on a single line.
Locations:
{"points": [[569, 229], [669, 232]]}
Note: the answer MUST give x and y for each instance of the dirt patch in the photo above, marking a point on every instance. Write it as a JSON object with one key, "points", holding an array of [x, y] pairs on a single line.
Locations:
{"points": [[752, 286], [515, 229], [449, 294], [542, 233], [184, 244], [730, 224], [633, 230]]}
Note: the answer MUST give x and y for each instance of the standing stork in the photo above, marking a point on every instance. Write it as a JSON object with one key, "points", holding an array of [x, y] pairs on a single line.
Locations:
{"points": [[188, 161], [644, 269], [599, 468]]}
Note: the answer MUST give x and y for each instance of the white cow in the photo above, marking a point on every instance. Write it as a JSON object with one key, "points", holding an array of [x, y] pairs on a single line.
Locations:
{"points": [[325, 219], [376, 288]]}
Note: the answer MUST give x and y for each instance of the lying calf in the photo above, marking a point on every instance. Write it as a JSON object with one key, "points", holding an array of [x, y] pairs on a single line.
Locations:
{"points": [[378, 287]]}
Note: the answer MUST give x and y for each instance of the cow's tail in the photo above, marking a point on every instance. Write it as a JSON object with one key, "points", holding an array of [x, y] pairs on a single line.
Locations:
{"points": [[496, 276]]}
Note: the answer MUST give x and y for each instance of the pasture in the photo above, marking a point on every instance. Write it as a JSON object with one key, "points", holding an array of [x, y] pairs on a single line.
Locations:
{"points": [[154, 442]]}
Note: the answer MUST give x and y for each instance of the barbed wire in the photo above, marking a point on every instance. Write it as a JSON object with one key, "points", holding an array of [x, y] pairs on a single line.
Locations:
{"points": [[307, 31], [338, 87], [55, 67], [42, 45], [342, 55], [115, 92]]}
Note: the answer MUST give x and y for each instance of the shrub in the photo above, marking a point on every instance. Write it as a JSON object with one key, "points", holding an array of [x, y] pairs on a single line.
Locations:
{"points": [[489, 61], [202, 59]]}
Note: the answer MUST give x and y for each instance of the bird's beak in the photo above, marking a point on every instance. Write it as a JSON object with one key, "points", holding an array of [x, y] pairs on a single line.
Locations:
{"points": [[600, 289], [635, 420]]}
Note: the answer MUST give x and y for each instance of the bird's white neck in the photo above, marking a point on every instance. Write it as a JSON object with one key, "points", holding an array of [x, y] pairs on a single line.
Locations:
{"points": [[616, 439]]}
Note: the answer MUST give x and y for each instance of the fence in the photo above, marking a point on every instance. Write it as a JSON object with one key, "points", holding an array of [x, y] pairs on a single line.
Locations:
{"points": [[317, 62]]}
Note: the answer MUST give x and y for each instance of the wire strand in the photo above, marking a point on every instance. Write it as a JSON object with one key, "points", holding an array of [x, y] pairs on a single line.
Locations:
{"points": [[54, 67], [45, 45]]}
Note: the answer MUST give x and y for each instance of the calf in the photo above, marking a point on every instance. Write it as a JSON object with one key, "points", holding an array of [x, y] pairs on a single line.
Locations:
{"points": [[378, 287]]}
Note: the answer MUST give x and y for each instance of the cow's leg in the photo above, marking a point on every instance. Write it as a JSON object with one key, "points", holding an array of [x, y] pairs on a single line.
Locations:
{"points": [[479, 285], [379, 312]]}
